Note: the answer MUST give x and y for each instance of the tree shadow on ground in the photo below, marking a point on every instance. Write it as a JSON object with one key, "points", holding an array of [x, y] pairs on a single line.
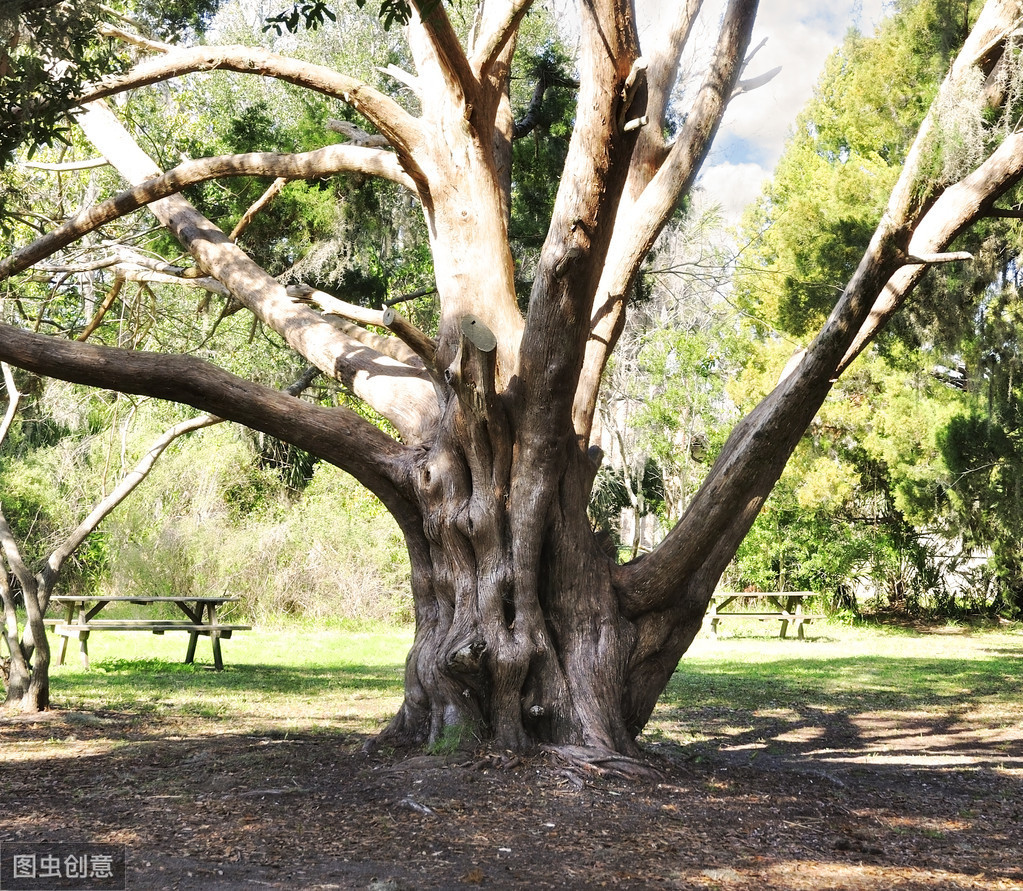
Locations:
{"points": [[793, 803]]}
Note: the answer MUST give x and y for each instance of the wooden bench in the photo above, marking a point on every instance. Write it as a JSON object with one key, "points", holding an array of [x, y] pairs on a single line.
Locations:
{"points": [[788, 609], [200, 619]]}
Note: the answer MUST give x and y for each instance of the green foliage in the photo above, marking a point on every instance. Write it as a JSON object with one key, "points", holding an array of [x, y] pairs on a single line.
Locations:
{"points": [[888, 471], [174, 19], [212, 518], [543, 96], [35, 94], [44, 496], [312, 14], [986, 488], [827, 194]]}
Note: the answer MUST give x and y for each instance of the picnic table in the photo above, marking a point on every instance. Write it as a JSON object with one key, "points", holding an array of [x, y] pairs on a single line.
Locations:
{"points": [[783, 606], [200, 619]]}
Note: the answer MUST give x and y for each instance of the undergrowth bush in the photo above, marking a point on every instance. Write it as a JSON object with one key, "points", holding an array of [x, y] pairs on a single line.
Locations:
{"points": [[209, 520]]}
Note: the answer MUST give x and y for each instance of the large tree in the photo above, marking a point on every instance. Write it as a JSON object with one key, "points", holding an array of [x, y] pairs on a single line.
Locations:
{"points": [[527, 631]]}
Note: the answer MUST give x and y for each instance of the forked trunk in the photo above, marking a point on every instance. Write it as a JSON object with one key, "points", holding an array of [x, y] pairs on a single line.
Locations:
{"points": [[27, 673], [28, 690], [521, 637]]}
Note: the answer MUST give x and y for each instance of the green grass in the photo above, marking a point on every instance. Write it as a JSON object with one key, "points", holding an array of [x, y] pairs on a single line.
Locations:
{"points": [[313, 677], [304, 676], [757, 687]]}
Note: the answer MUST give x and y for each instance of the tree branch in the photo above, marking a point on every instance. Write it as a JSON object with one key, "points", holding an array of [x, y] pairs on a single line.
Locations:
{"points": [[497, 29], [654, 190], [327, 161], [356, 135], [545, 80], [128, 37], [436, 29], [97, 317], [752, 460], [337, 435], [954, 211], [131, 480], [127, 484], [422, 346], [13, 401], [402, 394], [272, 191], [401, 129], [88, 164]]}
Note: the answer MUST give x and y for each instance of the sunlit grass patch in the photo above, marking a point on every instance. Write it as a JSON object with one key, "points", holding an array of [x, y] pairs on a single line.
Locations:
{"points": [[308, 677]]}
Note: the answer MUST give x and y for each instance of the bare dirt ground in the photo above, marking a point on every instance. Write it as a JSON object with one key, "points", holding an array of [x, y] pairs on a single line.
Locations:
{"points": [[842, 801]]}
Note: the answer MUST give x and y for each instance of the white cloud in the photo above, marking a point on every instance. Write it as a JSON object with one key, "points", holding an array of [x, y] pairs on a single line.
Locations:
{"points": [[800, 34], [800, 37], [732, 186]]}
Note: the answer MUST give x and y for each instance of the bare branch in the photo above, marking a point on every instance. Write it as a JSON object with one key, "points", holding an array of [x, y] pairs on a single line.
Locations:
{"points": [[402, 394], [754, 83], [931, 259], [356, 135], [641, 220], [127, 484], [445, 46], [272, 191], [421, 345], [497, 29], [958, 207], [67, 166], [97, 318], [146, 276], [403, 77], [662, 72], [131, 39], [307, 165], [412, 295], [337, 435], [544, 81], [13, 401], [1000, 213], [335, 306], [386, 346], [401, 128]]}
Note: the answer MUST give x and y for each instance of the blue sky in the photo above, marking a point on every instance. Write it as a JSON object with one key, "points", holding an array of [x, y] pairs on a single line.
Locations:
{"points": [[800, 36]]}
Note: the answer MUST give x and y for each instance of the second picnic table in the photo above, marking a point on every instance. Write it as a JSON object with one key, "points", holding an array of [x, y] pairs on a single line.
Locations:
{"points": [[200, 612], [788, 607]]}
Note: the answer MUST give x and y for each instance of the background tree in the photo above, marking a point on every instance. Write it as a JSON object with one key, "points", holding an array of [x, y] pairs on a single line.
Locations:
{"points": [[816, 215], [526, 630], [26, 668]]}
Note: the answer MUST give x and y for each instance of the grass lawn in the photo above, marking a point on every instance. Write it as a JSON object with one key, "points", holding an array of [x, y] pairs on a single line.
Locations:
{"points": [[319, 678], [750, 688], [289, 676]]}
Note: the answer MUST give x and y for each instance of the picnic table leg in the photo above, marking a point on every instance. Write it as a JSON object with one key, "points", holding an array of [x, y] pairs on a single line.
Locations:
{"points": [[193, 638], [218, 659], [83, 636], [83, 647], [64, 638], [784, 608]]}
